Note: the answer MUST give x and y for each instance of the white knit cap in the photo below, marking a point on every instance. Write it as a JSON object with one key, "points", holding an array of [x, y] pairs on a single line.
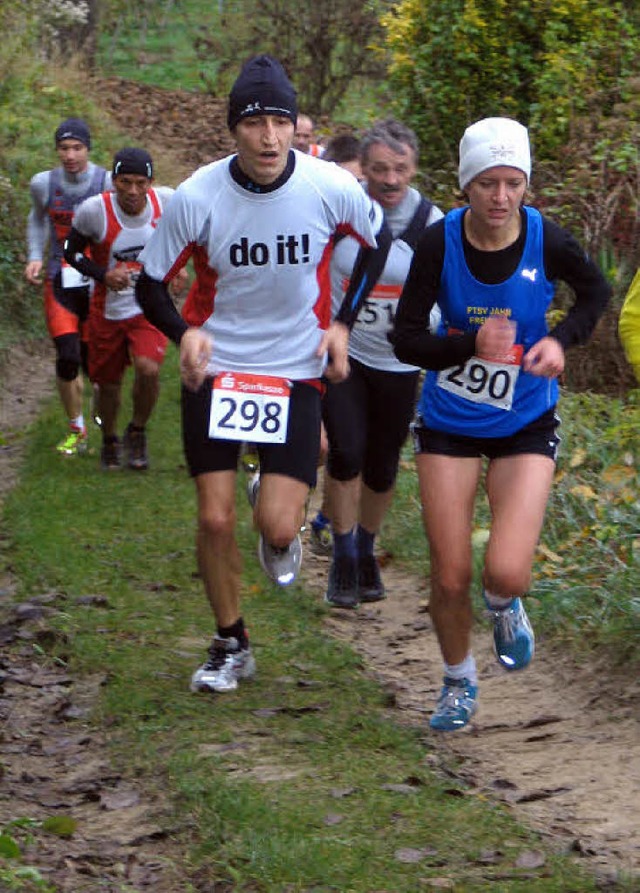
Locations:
{"points": [[493, 142]]}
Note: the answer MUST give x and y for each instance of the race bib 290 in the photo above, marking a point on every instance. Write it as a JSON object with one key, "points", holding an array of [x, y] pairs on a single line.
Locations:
{"points": [[491, 382]]}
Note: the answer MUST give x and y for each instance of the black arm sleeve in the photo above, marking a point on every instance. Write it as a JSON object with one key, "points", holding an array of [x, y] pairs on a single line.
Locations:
{"points": [[411, 339], [564, 259], [155, 301], [74, 248], [366, 271]]}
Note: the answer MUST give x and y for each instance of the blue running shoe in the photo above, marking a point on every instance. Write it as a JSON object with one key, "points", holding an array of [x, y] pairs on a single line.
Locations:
{"points": [[513, 637], [457, 703], [321, 536]]}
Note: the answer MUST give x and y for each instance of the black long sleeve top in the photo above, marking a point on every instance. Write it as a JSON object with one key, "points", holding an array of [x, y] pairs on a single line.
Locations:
{"points": [[564, 260]]}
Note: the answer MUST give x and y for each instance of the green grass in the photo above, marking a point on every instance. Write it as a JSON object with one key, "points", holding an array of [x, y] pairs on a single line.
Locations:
{"points": [[303, 780], [146, 45]]}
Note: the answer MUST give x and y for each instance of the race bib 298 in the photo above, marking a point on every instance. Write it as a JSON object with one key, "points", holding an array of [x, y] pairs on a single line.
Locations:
{"points": [[249, 407]]}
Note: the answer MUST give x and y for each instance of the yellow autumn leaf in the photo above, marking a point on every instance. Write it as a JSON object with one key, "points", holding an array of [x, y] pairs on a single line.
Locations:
{"points": [[549, 554], [627, 495], [577, 458], [546, 570], [618, 475], [583, 491]]}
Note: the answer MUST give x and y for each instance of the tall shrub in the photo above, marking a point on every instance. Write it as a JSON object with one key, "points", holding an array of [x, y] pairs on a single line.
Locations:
{"points": [[323, 45], [566, 69], [547, 64]]}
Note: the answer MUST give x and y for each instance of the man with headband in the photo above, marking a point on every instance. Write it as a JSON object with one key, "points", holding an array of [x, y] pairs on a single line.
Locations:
{"points": [[255, 337], [114, 227], [54, 195]]}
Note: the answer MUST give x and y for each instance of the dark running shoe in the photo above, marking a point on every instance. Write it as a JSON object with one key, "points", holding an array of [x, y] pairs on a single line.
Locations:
{"points": [[370, 585], [110, 458], [135, 443], [342, 591]]}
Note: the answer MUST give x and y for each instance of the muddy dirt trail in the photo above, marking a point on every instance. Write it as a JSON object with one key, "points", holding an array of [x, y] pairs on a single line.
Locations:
{"points": [[559, 744]]}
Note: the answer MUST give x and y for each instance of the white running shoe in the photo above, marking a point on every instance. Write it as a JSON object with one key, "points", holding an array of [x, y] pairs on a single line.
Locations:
{"points": [[253, 486], [226, 664], [281, 564], [249, 457]]}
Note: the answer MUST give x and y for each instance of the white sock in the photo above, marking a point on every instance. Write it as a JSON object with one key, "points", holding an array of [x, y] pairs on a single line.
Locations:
{"points": [[78, 422], [497, 602], [465, 670]]}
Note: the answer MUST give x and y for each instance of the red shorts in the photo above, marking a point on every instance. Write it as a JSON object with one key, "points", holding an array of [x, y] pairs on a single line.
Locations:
{"points": [[61, 320], [113, 343]]}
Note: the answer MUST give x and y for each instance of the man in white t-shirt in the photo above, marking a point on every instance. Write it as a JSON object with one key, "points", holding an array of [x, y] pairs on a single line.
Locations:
{"points": [[255, 336]]}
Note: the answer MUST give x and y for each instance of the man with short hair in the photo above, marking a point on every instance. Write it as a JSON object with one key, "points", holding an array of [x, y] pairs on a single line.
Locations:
{"points": [[54, 196], [303, 137], [367, 416], [254, 338], [344, 150], [114, 227]]}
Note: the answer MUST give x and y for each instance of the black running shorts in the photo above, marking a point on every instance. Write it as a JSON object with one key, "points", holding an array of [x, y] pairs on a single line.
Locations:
{"points": [[540, 437], [297, 458]]}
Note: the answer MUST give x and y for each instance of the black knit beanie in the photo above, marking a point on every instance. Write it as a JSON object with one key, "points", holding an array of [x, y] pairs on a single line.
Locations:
{"points": [[73, 129], [262, 88]]}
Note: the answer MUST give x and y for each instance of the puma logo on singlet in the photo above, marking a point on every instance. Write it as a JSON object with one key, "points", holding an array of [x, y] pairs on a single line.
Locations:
{"points": [[530, 274]]}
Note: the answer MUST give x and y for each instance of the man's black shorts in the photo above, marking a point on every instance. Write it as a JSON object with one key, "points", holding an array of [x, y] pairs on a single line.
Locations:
{"points": [[297, 458]]}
